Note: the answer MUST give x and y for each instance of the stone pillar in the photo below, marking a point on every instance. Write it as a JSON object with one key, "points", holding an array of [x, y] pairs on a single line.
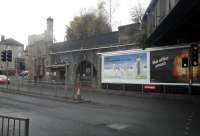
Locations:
{"points": [[98, 71]]}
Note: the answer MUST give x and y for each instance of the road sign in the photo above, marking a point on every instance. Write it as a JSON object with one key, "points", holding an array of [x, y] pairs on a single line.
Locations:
{"points": [[67, 61]]}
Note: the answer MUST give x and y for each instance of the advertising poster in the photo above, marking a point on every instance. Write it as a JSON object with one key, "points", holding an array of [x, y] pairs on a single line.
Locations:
{"points": [[129, 68], [166, 67]]}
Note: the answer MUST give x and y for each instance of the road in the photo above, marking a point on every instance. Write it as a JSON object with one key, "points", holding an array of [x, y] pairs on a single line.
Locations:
{"points": [[116, 116]]}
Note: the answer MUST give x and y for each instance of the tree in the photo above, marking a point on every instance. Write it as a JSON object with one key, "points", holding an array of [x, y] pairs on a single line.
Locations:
{"points": [[89, 23], [137, 14]]}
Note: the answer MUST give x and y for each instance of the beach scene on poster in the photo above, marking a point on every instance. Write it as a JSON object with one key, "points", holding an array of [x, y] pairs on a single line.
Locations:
{"points": [[129, 68]]}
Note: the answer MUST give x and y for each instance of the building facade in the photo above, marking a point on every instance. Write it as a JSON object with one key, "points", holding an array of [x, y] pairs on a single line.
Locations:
{"points": [[17, 65], [37, 52], [80, 61]]}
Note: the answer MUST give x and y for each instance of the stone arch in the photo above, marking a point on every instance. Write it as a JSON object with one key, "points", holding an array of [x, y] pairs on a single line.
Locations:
{"points": [[85, 71]]}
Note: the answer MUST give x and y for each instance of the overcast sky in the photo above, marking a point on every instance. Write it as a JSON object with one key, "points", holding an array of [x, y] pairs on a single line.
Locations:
{"points": [[20, 18]]}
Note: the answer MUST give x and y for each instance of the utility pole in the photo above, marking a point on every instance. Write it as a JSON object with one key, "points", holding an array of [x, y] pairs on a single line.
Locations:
{"points": [[7, 74], [193, 62], [6, 66]]}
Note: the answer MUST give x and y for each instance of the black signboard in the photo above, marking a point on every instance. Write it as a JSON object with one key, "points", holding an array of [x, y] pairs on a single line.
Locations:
{"points": [[166, 66], [163, 66]]}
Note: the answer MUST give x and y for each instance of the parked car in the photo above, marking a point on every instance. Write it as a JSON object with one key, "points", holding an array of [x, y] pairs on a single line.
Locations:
{"points": [[24, 75], [4, 79]]}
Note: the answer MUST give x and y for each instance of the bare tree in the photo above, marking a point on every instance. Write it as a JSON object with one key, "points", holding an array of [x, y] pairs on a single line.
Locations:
{"points": [[137, 13]]}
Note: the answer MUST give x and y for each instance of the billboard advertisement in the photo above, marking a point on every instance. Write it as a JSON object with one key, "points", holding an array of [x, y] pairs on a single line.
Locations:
{"points": [[128, 68], [166, 66]]}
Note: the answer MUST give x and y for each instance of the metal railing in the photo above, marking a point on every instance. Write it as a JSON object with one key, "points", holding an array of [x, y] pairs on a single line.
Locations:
{"points": [[47, 89], [13, 126]]}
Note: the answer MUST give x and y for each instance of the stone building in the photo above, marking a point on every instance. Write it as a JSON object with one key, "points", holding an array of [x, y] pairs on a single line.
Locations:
{"points": [[83, 58], [37, 52], [17, 48]]}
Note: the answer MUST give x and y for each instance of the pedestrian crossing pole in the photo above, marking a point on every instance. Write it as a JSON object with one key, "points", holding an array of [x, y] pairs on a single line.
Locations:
{"points": [[7, 74], [190, 73]]}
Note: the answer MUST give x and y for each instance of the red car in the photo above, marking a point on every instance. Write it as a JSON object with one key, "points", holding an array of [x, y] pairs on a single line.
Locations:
{"points": [[4, 79]]}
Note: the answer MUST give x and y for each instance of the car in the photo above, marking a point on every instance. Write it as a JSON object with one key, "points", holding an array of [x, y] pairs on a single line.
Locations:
{"points": [[24, 74], [4, 79]]}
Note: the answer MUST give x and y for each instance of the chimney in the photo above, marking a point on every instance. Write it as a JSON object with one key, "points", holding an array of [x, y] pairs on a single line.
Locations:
{"points": [[2, 38]]}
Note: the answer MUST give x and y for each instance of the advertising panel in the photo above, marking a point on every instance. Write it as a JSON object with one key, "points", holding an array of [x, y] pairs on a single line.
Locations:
{"points": [[129, 68], [166, 67]]}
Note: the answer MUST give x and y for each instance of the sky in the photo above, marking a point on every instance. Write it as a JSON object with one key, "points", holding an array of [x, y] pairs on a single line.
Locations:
{"points": [[20, 18]]}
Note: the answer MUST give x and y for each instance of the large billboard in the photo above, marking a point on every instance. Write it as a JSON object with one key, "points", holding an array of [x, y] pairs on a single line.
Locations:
{"points": [[129, 68], [166, 67]]}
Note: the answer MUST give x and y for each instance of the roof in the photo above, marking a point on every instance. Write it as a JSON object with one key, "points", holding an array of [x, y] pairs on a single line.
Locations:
{"points": [[103, 40], [11, 41]]}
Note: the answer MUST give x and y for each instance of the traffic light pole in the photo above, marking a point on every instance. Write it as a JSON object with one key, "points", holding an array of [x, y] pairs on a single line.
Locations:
{"points": [[7, 74], [190, 72]]}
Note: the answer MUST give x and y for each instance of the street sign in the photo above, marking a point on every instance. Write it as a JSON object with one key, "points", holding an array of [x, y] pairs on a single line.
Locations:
{"points": [[150, 87], [67, 61]]}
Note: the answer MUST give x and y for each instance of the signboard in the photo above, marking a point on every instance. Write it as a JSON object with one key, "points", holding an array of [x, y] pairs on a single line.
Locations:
{"points": [[153, 66], [128, 68], [149, 87], [166, 66]]}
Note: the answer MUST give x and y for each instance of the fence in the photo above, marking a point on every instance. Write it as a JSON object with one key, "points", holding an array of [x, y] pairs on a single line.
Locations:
{"points": [[59, 89], [53, 89], [12, 126]]}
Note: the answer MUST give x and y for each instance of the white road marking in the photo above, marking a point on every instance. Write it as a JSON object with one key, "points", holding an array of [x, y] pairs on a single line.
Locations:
{"points": [[117, 126]]}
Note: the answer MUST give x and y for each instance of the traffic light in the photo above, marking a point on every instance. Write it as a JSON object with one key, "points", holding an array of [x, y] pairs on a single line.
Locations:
{"points": [[185, 63], [194, 54], [9, 55], [3, 56]]}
